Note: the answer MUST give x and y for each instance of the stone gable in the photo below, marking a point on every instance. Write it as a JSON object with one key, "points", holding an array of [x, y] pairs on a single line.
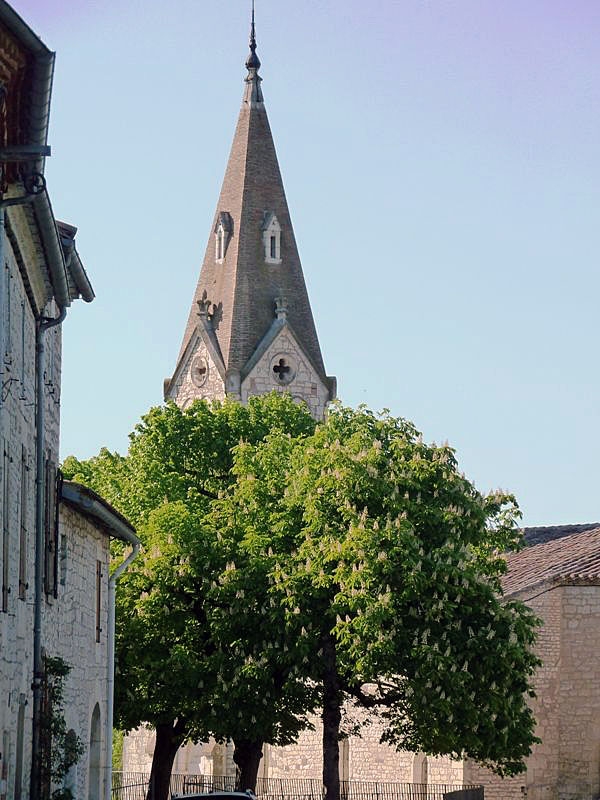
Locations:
{"points": [[284, 367], [197, 377]]}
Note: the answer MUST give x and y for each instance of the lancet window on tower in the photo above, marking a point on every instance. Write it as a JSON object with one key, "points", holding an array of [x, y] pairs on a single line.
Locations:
{"points": [[272, 238], [223, 232]]}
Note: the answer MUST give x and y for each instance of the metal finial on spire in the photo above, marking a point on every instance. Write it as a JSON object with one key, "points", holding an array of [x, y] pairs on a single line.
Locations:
{"points": [[253, 61]]}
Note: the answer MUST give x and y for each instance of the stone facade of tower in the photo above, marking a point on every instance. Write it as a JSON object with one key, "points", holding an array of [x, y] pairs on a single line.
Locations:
{"points": [[250, 329]]}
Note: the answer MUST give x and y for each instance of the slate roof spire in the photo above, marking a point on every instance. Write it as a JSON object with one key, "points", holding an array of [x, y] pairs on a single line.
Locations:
{"points": [[242, 281]]}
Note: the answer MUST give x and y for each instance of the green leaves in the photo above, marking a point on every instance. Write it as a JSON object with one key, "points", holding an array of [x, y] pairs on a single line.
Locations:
{"points": [[197, 638], [380, 545], [287, 562]]}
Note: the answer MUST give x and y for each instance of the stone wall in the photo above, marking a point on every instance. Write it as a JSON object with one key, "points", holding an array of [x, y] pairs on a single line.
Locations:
{"points": [[566, 765], [68, 620], [579, 694], [362, 758], [204, 758], [496, 788], [70, 633], [17, 470], [301, 760], [366, 759], [542, 766]]}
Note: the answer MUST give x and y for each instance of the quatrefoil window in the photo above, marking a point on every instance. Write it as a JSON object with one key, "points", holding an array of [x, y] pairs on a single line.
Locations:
{"points": [[283, 369], [199, 371]]}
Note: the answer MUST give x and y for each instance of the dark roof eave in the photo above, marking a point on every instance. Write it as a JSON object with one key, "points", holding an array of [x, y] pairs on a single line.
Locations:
{"points": [[21, 29], [84, 287], [546, 533], [53, 248], [43, 72], [91, 505], [80, 285]]}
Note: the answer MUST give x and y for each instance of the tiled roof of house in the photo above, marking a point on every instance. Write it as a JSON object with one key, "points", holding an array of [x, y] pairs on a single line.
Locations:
{"points": [[566, 558]]}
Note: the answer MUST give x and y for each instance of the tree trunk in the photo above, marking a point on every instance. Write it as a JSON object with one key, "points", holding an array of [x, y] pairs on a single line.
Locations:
{"points": [[247, 756], [332, 716], [168, 738]]}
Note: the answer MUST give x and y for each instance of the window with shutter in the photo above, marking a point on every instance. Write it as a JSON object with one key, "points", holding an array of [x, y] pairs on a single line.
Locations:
{"points": [[98, 600], [52, 486], [5, 525], [24, 522]]}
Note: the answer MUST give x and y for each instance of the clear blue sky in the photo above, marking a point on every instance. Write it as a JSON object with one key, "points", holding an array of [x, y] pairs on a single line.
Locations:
{"points": [[442, 165]]}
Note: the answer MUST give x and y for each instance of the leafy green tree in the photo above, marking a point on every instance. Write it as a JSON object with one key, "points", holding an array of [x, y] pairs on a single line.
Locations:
{"points": [[386, 563], [288, 565], [184, 665]]}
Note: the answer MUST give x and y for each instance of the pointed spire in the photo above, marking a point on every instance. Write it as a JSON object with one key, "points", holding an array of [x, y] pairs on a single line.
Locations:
{"points": [[253, 61], [245, 286], [253, 92]]}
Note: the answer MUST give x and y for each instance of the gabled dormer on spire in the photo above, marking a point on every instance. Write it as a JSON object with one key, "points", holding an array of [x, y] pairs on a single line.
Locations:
{"points": [[245, 341]]}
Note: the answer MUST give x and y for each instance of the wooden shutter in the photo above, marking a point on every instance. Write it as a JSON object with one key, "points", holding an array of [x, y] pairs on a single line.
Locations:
{"points": [[5, 525], [52, 490], [24, 523], [98, 600]]}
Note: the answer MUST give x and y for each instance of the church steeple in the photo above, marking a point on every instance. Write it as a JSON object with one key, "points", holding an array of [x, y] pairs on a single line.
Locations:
{"points": [[240, 343]]}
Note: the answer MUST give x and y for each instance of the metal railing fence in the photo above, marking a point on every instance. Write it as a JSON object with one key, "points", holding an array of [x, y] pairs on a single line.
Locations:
{"points": [[134, 786]]}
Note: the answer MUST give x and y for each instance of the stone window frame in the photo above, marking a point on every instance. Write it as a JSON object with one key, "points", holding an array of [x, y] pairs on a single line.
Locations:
{"points": [[271, 232], [199, 360], [219, 244], [223, 233]]}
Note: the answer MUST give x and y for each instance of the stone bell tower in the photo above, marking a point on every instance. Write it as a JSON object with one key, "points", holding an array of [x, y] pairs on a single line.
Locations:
{"points": [[251, 330]]}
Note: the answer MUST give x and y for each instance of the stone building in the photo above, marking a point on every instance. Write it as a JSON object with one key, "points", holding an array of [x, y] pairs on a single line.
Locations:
{"points": [[558, 576], [54, 542]]}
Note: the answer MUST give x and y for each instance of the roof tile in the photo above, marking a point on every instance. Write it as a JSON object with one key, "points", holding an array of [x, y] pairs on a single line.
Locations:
{"points": [[574, 557]]}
